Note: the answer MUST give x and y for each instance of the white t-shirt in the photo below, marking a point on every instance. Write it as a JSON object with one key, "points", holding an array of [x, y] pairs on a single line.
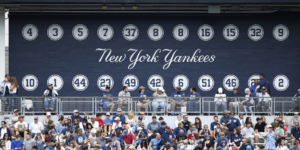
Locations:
{"points": [[95, 125], [264, 97], [247, 132], [22, 125], [189, 147], [160, 98], [3, 131], [176, 123], [36, 127], [8, 144], [220, 98]]}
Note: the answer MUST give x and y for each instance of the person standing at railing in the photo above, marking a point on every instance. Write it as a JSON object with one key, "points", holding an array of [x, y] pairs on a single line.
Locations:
{"points": [[107, 101], [51, 93], [177, 99], [220, 99], [233, 101], [13, 91], [124, 97], [194, 100], [6, 85], [264, 99], [296, 100], [143, 101]]}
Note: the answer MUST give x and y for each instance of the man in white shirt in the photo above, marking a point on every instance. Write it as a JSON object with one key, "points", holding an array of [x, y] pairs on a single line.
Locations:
{"points": [[15, 116], [4, 130], [21, 126], [124, 97], [35, 127], [242, 119], [264, 99], [94, 123], [248, 133]]}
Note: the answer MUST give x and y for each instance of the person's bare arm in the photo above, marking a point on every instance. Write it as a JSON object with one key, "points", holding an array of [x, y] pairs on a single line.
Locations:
{"points": [[286, 122]]}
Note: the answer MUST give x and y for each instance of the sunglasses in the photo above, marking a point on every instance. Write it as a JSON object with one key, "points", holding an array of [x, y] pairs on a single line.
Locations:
{"points": [[119, 111]]}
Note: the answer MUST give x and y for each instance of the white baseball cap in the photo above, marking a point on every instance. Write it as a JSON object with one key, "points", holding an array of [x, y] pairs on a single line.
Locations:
{"points": [[75, 111], [161, 89], [270, 126]]}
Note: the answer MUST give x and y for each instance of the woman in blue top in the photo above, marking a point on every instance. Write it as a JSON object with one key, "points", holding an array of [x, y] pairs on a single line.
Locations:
{"points": [[143, 101], [193, 102], [39, 142], [270, 139], [204, 132], [237, 138]]}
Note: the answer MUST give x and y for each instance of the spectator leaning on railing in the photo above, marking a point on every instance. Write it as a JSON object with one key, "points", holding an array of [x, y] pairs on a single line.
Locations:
{"points": [[50, 99], [264, 99], [124, 97], [220, 99]]}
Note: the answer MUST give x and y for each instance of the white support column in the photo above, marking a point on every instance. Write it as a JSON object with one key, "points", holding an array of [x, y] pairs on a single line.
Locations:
{"points": [[2, 43]]}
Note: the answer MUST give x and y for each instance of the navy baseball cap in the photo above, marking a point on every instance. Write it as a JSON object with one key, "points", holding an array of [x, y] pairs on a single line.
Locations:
{"points": [[163, 123], [279, 122], [6, 75], [113, 135], [153, 117], [167, 127], [140, 118], [124, 123], [141, 135]]}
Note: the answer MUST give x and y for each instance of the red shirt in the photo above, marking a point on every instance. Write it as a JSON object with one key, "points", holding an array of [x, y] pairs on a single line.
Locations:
{"points": [[190, 136], [100, 122], [129, 138]]}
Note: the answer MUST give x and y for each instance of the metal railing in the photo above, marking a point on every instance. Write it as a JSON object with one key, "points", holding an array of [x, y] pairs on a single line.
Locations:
{"points": [[151, 105]]}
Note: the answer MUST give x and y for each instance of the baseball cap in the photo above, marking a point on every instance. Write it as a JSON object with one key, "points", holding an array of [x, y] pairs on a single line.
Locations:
{"points": [[86, 113], [124, 123], [141, 135], [93, 117], [279, 122], [225, 112], [153, 117], [181, 132], [141, 87], [241, 114], [178, 87], [258, 118], [163, 123], [167, 127], [125, 132], [16, 110], [270, 126], [206, 136], [142, 113], [200, 141], [140, 118], [49, 84], [117, 118], [161, 89], [160, 118], [263, 88], [113, 135], [205, 126], [107, 114], [79, 129], [75, 111], [171, 141], [225, 128], [36, 117], [6, 75], [21, 116], [221, 133], [234, 88], [48, 114], [33, 147]]}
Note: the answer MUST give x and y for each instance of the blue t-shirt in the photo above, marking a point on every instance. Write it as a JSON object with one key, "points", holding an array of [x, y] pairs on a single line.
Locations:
{"points": [[234, 123], [119, 138], [176, 131], [107, 121], [121, 129], [143, 97], [237, 140], [247, 147], [212, 126], [68, 141], [177, 96], [79, 138], [166, 136], [104, 147], [106, 99], [193, 96], [122, 118], [66, 131], [252, 89], [84, 148], [161, 131], [153, 126], [154, 143], [218, 140], [296, 133]]}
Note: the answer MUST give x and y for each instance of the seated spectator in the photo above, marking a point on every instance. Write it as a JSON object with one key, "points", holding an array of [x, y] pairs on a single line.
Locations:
{"points": [[192, 132], [242, 120], [282, 131], [90, 131], [179, 119], [200, 145], [51, 146], [237, 138], [142, 101], [85, 145], [21, 126], [85, 119], [177, 99], [76, 116], [223, 145], [249, 119], [180, 138], [283, 119], [124, 97], [28, 143], [80, 137], [248, 133], [35, 127], [124, 124], [213, 124], [295, 146], [137, 124], [194, 100], [248, 102], [94, 123], [275, 123], [7, 141], [15, 117], [220, 99], [116, 124], [168, 135], [227, 134], [106, 146], [107, 101], [295, 119], [139, 140], [233, 102], [205, 131], [128, 137], [119, 114], [295, 133], [141, 130], [119, 137], [264, 99], [219, 139], [99, 120], [144, 119], [170, 145], [67, 130], [207, 142], [17, 144], [47, 119], [47, 137], [100, 141], [180, 127], [107, 124], [246, 145], [259, 128], [193, 140], [154, 125], [231, 124], [162, 129], [60, 125], [281, 145], [156, 143], [50, 94], [198, 124], [270, 138], [159, 100], [225, 117], [4, 130], [143, 145], [51, 127], [264, 120], [161, 119], [130, 120], [217, 130], [152, 136], [186, 146], [68, 139], [71, 146], [13, 132], [186, 123]]}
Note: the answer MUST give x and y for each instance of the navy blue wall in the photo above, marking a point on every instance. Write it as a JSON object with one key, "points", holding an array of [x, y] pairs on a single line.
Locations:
{"points": [[68, 57]]}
